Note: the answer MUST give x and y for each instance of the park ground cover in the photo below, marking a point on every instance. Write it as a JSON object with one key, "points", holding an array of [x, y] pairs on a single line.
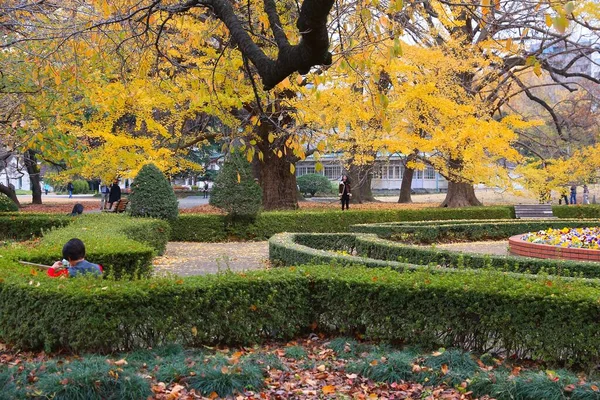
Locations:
{"points": [[117, 315], [310, 368]]}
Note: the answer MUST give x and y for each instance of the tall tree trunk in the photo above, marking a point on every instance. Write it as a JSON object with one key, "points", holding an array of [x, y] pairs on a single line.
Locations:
{"points": [[10, 194], [33, 170], [406, 186], [278, 183], [460, 195], [360, 182]]}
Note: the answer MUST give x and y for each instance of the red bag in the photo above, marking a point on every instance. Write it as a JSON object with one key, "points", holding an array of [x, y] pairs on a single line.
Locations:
{"points": [[52, 273]]}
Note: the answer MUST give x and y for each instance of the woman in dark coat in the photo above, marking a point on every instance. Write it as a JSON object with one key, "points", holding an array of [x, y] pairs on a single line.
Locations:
{"points": [[115, 194], [345, 193]]}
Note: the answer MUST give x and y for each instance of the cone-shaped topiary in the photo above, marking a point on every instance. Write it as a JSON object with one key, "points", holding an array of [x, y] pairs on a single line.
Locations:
{"points": [[152, 195], [7, 204], [235, 190]]}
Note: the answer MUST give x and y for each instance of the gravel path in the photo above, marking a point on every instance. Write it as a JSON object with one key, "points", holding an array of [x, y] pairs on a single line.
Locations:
{"points": [[186, 259], [499, 248]]}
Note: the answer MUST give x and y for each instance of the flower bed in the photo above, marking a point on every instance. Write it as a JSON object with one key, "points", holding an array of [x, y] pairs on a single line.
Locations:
{"points": [[565, 243], [579, 238]]}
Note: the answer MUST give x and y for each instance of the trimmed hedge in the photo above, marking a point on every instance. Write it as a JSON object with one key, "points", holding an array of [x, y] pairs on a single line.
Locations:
{"points": [[214, 228], [545, 319], [474, 230], [369, 250], [25, 226], [124, 246]]}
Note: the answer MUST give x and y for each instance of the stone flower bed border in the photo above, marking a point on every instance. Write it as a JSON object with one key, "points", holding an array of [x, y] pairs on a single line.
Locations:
{"points": [[520, 247]]}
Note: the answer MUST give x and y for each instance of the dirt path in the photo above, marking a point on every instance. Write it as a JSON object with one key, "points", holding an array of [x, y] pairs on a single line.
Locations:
{"points": [[186, 259]]}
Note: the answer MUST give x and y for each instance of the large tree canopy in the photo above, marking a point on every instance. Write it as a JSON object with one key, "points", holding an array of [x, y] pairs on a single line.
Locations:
{"points": [[146, 80]]}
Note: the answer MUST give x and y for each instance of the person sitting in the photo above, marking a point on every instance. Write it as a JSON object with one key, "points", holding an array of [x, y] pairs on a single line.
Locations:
{"points": [[77, 210], [74, 254]]}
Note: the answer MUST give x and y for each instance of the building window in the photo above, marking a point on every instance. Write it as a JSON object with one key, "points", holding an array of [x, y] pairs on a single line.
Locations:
{"points": [[400, 169], [333, 172], [418, 174], [430, 173], [385, 170]]}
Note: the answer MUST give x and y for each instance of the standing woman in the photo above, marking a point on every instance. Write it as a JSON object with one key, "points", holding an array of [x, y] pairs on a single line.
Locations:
{"points": [[345, 192], [115, 194]]}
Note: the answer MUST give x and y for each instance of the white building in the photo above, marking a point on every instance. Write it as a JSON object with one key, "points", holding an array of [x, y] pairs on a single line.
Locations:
{"points": [[387, 173], [13, 172]]}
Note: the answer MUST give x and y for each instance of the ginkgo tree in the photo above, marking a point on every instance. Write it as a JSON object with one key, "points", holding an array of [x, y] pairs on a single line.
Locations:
{"points": [[204, 58], [417, 105]]}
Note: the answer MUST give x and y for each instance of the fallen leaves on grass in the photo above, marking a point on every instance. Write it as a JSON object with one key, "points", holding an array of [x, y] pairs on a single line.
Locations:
{"points": [[321, 374]]}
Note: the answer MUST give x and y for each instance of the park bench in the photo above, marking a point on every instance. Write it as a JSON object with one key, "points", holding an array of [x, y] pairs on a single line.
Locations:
{"points": [[534, 211], [119, 207]]}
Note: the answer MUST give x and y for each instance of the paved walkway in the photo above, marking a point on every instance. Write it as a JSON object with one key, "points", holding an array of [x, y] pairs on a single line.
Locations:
{"points": [[499, 248], [186, 259]]}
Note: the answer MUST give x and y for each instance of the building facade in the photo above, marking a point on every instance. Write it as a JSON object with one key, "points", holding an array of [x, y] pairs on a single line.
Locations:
{"points": [[13, 173], [387, 173]]}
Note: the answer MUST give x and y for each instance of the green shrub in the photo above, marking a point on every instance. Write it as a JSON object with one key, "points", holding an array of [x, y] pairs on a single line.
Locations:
{"points": [[215, 228], [25, 226], [368, 250], [295, 352], [546, 319], [81, 186], [235, 191], [124, 246], [152, 195], [92, 379], [6, 204], [313, 184], [426, 232]]}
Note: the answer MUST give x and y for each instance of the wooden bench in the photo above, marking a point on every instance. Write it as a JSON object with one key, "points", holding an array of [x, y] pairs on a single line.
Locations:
{"points": [[119, 207], [534, 211]]}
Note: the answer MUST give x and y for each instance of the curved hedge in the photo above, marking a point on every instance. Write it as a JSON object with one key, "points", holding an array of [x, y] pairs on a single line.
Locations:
{"points": [[549, 319], [124, 246], [215, 228], [426, 232], [25, 226], [371, 251]]}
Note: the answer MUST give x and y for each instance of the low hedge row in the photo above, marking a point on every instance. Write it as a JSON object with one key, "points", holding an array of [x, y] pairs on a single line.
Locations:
{"points": [[369, 250], [124, 246], [547, 319], [215, 228], [427, 232], [21, 226]]}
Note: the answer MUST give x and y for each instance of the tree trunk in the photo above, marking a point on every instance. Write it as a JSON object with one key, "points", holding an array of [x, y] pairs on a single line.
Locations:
{"points": [[10, 194], [33, 170], [406, 186], [460, 195], [278, 183], [360, 183]]}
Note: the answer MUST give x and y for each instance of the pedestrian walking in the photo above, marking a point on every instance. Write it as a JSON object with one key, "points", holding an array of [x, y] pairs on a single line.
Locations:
{"points": [[205, 189], [573, 198], [345, 192], [586, 195], [70, 189]]}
